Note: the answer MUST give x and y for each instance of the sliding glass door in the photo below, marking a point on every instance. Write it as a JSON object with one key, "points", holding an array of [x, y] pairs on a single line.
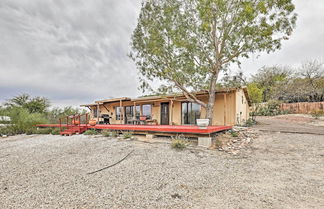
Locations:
{"points": [[190, 112]]}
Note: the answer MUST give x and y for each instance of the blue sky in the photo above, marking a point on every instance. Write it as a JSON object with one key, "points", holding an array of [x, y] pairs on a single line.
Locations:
{"points": [[75, 51]]}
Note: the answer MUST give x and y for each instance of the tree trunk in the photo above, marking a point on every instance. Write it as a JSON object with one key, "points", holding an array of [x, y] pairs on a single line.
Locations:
{"points": [[211, 99]]}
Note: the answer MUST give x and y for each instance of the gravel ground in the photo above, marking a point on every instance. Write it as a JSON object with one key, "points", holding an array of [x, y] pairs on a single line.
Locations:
{"points": [[277, 171]]}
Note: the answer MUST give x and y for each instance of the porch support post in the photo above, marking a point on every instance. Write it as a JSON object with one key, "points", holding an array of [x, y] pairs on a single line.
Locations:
{"points": [[134, 112], [171, 112], [121, 111], [98, 113], [225, 109]]}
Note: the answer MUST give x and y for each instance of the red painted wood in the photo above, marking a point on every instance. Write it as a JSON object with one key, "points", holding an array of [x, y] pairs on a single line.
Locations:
{"points": [[153, 128]]}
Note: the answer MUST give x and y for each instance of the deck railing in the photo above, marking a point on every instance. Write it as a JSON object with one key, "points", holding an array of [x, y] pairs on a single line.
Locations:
{"points": [[74, 121]]}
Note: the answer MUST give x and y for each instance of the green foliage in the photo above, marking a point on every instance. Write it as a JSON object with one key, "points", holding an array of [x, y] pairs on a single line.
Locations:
{"points": [[106, 133], [255, 93], [269, 80], [234, 133], [22, 120], [317, 114], [91, 132], [272, 108], [43, 131], [179, 143], [8, 131], [187, 43], [55, 131], [250, 122], [127, 135], [109, 133], [33, 105], [56, 113]]}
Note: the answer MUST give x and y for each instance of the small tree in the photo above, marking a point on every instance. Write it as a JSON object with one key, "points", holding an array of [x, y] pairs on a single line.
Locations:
{"points": [[187, 43], [33, 105]]}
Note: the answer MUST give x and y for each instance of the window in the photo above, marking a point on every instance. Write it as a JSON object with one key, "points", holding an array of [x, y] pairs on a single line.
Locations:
{"points": [[118, 113], [95, 112], [147, 111], [190, 112], [129, 112], [137, 112]]}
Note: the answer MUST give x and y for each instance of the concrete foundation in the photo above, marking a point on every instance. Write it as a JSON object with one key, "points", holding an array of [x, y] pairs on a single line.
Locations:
{"points": [[205, 142]]}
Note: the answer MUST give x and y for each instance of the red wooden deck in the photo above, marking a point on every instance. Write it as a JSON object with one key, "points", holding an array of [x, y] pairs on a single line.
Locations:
{"points": [[155, 128]]}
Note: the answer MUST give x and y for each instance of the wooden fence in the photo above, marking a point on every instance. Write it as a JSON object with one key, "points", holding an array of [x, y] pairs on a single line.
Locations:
{"points": [[302, 107]]}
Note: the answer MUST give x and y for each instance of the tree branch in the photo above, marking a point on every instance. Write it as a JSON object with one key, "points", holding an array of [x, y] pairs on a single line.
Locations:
{"points": [[190, 96]]}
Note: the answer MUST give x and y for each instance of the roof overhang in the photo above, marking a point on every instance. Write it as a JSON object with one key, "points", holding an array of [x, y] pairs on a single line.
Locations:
{"points": [[113, 100], [88, 105]]}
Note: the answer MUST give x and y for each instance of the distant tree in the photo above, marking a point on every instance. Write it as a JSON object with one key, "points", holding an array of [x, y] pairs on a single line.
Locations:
{"points": [[271, 79], [313, 74], [187, 43], [33, 105], [255, 93], [56, 113]]}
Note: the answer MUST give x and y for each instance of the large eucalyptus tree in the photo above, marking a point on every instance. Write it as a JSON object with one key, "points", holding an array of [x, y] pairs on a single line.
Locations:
{"points": [[187, 43]]}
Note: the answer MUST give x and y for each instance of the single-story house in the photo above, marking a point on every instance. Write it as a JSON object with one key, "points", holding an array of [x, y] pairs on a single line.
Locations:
{"points": [[231, 108]]}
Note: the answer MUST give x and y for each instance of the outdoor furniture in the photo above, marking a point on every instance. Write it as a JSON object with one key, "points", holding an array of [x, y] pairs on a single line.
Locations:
{"points": [[142, 120], [152, 122]]}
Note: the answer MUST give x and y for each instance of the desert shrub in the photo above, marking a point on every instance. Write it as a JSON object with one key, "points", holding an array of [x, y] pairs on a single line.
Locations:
{"points": [[8, 131], [127, 135], [114, 134], [317, 113], [234, 133], [91, 132], [44, 131], [55, 131], [250, 122], [272, 108], [22, 121], [31, 131], [218, 143], [179, 143], [106, 133]]}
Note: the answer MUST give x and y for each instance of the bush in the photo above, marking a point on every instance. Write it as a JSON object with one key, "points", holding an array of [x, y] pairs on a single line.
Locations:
{"points": [[22, 121], [55, 131], [250, 122], [127, 135], [7, 131], [106, 133], [317, 113], [272, 108], [91, 132], [234, 133], [179, 143], [114, 134], [218, 143], [44, 131]]}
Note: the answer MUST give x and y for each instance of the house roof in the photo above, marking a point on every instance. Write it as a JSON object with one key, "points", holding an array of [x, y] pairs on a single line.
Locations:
{"points": [[88, 105], [113, 100], [168, 96]]}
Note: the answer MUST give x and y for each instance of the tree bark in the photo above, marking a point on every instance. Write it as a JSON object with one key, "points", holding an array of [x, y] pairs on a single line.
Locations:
{"points": [[212, 97]]}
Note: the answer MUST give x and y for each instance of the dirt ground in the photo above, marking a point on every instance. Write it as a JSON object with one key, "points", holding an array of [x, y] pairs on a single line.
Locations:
{"points": [[278, 170]]}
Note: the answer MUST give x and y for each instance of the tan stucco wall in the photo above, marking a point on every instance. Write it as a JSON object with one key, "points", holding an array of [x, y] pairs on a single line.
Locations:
{"points": [[242, 108], [232, 109]]}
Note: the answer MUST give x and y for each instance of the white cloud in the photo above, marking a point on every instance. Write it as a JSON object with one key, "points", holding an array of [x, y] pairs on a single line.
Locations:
{"points": [[75, 51]]}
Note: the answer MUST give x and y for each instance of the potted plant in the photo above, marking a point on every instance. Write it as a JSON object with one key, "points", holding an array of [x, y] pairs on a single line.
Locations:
{"points": [[203, 123]]}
